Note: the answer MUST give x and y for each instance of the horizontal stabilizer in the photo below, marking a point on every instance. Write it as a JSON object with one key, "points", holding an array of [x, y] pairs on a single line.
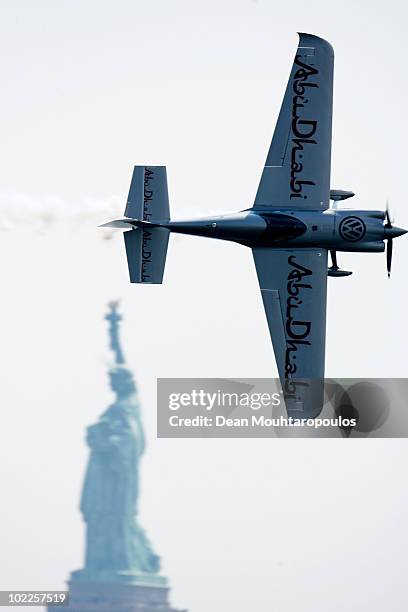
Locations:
{"points": [[118, 224], [128, 224], [146, 250]]}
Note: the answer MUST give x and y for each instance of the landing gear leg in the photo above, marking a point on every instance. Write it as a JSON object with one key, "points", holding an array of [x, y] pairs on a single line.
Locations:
{"points": [[334, 270]]}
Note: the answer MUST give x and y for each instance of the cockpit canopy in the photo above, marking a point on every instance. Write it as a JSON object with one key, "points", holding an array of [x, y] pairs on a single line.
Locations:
{"points": [[280, 227]]}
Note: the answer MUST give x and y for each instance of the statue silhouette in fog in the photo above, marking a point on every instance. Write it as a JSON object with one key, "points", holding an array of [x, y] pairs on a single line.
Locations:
{"points": [[115, 541]]}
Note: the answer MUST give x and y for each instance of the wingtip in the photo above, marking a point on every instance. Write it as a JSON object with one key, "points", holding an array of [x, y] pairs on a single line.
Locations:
{"points": [[311, 40]]}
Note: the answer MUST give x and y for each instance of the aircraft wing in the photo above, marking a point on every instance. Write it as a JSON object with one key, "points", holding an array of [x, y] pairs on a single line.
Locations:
{"points": [[293, 284], [297, 170]]}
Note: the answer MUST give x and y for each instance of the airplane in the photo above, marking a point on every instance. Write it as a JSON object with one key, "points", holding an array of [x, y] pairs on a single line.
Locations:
{"points": [[293, 224]]}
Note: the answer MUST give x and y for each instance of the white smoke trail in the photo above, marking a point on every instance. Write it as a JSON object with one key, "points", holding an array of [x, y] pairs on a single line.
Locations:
{"points": [[39, 212], [42, 211]]}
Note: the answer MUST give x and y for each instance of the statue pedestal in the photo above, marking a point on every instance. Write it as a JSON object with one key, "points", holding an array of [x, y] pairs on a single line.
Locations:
{"points": [[125, 592], [143, 579]]}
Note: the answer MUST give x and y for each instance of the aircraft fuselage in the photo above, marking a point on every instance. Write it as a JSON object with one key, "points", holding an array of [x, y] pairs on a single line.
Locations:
{"points": [[338, 230]]}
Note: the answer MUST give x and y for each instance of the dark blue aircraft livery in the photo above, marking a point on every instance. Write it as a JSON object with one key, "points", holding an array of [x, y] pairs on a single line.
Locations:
{"points": [[291, 227]]}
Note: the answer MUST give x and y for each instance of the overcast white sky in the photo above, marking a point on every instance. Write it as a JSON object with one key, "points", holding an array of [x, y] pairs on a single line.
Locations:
{"points": [[91, 88]]}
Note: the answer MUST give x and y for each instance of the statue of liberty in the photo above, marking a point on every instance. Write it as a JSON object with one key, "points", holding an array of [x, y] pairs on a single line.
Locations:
{"points": [[121, 568], [117, 548]]}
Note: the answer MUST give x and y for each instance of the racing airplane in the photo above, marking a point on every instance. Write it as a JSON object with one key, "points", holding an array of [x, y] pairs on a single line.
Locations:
{"points": [[291, 227]]}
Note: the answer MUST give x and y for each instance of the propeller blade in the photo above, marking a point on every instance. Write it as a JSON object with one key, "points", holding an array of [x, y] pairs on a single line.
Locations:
{"points": [[389, 256], [387, 215]]}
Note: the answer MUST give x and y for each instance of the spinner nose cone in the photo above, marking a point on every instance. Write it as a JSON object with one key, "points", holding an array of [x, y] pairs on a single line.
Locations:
{"points": [[394, 232]]}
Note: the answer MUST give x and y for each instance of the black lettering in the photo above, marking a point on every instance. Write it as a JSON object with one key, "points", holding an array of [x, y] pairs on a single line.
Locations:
{"points": [[297, 330], [303, 129]]}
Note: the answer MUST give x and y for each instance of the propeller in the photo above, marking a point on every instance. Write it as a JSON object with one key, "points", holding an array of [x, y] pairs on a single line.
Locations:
{"points": [[390, 232], [387, 214], [388, 225]]}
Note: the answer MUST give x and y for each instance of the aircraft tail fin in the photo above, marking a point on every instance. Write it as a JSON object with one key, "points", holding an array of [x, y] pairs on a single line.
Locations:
{"points": [[148, 198], [146, 249], [146, 210]]}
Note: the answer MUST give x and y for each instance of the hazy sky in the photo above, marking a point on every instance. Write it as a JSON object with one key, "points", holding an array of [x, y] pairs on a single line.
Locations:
{"points": [[88, 90]]}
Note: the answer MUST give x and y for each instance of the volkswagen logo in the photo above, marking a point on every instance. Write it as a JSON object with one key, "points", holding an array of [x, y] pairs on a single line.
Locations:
{"points": [[352, 229]]}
